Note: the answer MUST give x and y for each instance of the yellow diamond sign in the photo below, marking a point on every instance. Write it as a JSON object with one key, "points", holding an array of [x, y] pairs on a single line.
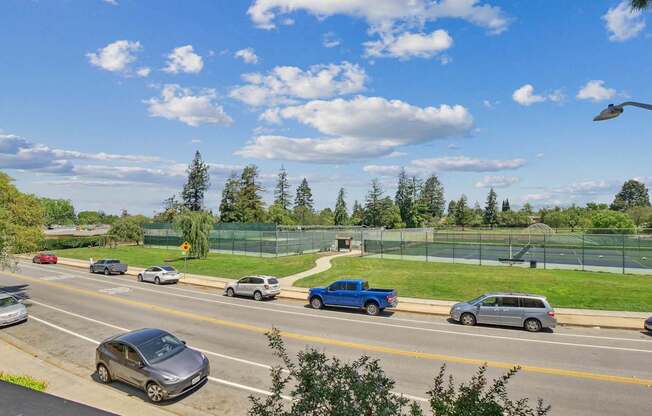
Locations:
{"points": [[185, 246]]}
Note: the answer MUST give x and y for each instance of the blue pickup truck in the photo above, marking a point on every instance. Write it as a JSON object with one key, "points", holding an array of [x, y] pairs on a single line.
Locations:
{"points": [[353, 294]]}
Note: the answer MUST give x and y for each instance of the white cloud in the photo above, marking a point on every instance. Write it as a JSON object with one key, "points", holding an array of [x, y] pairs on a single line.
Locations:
{"points": [[526, 96], [408, 45], [358, 128], [111, 2], [116, 56], [184, 59], [330, 40], [623, 23], [497, 181], [595, 91], [591, 187], [447, 164], [143, 72], [177, 103], [247, 55], [284, 84], [382, 14]]}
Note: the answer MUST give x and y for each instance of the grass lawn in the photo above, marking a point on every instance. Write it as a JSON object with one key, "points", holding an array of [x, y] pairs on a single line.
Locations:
{"points": [[25, 381], [446, 281], [219, 265]]}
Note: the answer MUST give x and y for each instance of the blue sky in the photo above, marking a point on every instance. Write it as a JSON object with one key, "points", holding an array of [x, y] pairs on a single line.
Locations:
{"points": [[104, 102]]}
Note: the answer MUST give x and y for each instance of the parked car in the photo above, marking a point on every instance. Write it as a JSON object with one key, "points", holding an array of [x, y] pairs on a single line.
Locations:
{"points": [[258, 287], [159, 274], [532, 312], [353, 294], [152, 360], [108, 266], [12, 310], [45, 257], [648, 324]]}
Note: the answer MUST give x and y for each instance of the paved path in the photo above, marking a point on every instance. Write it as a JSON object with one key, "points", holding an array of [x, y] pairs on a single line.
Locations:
{"points": [[321, 265], [580, 371]]}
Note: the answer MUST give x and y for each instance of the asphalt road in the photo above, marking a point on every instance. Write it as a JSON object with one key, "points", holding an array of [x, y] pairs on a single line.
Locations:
{"points": [[579, 371]]}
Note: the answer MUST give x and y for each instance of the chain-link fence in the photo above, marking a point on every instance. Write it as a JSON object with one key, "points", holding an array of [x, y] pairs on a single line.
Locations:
{"points": [[623, 253], [263, 240]]}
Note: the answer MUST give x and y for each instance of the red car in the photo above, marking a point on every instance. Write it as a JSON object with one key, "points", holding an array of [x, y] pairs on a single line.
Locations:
{"points": [[45, 258]]}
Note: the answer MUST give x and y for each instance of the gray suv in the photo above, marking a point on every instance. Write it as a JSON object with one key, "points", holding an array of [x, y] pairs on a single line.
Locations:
{"points": [[258, 287], [152, 360], [532, 312]]}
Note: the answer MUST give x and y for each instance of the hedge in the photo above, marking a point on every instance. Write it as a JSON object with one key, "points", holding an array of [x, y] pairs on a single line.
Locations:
{"points": [[74, 242]]}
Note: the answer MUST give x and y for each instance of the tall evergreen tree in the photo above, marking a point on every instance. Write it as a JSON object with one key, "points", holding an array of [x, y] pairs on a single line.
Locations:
{"points": [[229, 202], [432, 196], [373, 208], [341, 214], [197, 184], [452, 204], [632, 194], [506, 207], [249, 202], [303, 197], [491, 209], [460, 211], [403, 197], [357, 215], [282, 190]]}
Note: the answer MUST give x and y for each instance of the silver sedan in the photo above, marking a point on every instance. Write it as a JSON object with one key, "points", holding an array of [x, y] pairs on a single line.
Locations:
{"points": [[11, 310], [159, 274]]}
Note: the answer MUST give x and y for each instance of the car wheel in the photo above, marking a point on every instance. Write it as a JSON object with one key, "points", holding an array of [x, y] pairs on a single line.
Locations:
{"points": [[103, 374], [122, 272], [467, 319], [154, 392], [316, 303], [372, 309], [532, 325], [90, 269], [258, 296], [140, 277], [106, 272], [34, 260], [230, 292], [157, 280]]}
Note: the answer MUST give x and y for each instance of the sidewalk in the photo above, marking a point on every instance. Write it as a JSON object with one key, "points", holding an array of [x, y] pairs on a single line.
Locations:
{"points": [[70, 386], [565, 316]]}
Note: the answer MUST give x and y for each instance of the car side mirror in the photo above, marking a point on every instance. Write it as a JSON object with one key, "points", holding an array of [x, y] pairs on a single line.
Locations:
{"points": [[140, 364], [183, 342]]}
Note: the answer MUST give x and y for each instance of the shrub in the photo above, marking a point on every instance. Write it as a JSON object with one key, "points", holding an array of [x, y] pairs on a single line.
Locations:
{"points": [[25, 381], [323, 386], [74, 242]]}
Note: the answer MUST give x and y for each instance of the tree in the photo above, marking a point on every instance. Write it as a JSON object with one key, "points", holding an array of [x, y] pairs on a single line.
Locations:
{"points": [[527, 209], [127, 229], [341, 216], [640, 215], [611, 222], [403, 197], [452, 205], [303, 203], [326, 386], [640, 4], [197, 184], [229, 203], [632, 194], [58, 211], [89, 217], [249, 203], [357, 215], [326, 217], [390, 215], [513, 219], [21, 222], [506, 206], [432, 196], [279, 215], [373, 208], [282, 190], [171, 207], [195, 228], [490, 215], [460, 215]]}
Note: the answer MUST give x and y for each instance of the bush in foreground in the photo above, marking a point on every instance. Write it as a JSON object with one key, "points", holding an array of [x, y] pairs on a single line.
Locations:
{"points": [[25, 381], [323, 386]]}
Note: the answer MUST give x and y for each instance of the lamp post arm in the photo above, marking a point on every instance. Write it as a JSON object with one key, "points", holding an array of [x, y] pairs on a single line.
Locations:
{"points": [[635, 104]]}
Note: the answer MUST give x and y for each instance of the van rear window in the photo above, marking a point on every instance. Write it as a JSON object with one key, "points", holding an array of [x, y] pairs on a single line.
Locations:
{"points": [[532, 303], [272, 281]]}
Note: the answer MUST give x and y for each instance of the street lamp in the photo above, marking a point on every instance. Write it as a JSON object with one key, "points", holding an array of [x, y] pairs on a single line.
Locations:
{"points": [[613, 111]]}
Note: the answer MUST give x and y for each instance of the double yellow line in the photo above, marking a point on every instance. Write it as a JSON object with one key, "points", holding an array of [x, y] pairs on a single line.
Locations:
{"points": [[338, 343]]}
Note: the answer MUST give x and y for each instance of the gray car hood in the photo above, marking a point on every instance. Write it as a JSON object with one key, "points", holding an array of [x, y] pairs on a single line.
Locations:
{"points": [[8, 310], [182, 364]]}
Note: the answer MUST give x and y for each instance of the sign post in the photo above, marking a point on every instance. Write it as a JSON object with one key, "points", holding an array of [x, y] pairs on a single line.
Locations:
{"points": [[184, 248]]}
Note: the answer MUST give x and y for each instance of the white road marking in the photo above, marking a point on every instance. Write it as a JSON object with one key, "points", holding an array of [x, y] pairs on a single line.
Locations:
{"points": [[369, 322], [115, 290], [61, 277]]}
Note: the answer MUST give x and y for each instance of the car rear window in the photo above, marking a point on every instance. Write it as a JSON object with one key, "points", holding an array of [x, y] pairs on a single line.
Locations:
{"points": [[168, 268], [272, 281], [532, 303], [112, 261]]}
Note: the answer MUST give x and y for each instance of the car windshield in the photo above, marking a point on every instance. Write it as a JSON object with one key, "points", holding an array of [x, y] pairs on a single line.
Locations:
{"points": [[4, 302], [160, 348], [168, 268], [47, 254], [471, 302]]}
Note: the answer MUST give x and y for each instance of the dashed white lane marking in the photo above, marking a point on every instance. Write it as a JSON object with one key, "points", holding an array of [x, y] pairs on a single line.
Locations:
{"points": [[53, 278], [115, 290], [215, 354]]}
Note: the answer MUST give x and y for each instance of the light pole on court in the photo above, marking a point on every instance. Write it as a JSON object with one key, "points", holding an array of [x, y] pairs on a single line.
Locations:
{"points": [[613, 111]]}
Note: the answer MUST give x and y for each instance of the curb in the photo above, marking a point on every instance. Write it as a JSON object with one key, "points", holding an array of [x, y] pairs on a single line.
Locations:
{"points": [[582, 318]]}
